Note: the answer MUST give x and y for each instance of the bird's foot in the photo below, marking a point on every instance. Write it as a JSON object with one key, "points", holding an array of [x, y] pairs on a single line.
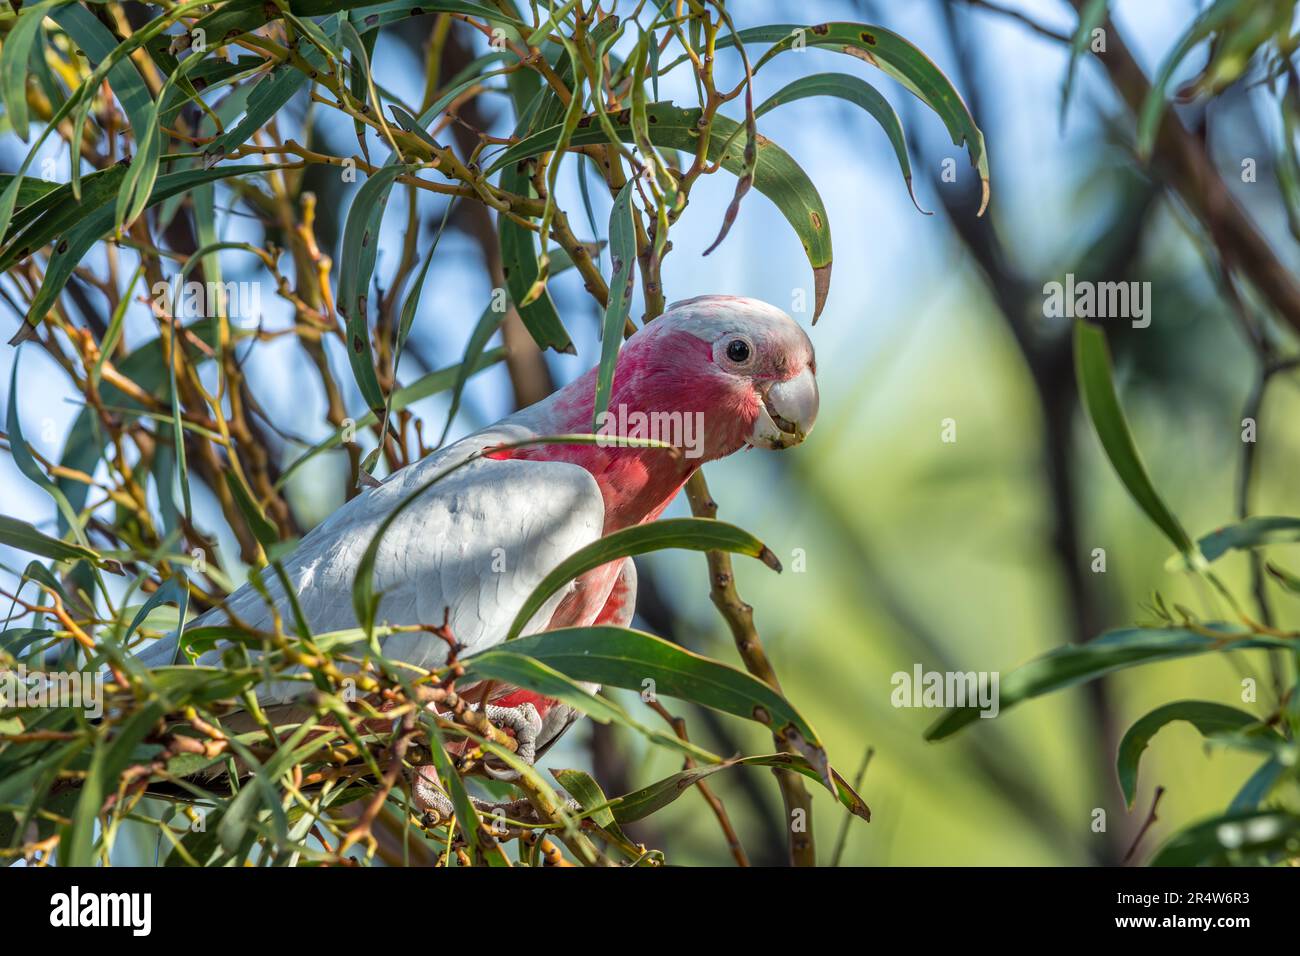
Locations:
{"points": [[432, 805], [435, 808], [525, 723]]}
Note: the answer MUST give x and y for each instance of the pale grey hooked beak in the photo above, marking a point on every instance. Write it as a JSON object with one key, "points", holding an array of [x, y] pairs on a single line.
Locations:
{"points": [[788, 412]]}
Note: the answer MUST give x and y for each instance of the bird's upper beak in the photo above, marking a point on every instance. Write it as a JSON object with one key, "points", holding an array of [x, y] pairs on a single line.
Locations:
{"points": [[788, 412]]}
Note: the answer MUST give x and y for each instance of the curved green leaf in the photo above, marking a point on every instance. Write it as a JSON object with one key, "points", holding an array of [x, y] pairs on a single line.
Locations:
{"points": [[858, 91], [520, 267], [360, 247], [14, 57], [695, 534], [895, 57], [1090, 18], [22, 457], [1092, 369], [777, 175], [583, 788], [365, 602], [654, 797], [467, 818], [101, 47], [621, 657], [1206, 716], [622, 252], [134, 196], [520, 670], [1253, 532], [57, 211], [1076, 663], [110, 758], [483, 330]]}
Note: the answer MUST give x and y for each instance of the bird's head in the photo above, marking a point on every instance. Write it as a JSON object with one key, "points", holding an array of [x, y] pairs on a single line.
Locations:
{"points": [[710, 376], [744, 366]]}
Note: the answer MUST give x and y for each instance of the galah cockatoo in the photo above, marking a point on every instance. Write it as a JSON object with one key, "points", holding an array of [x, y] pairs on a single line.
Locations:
{"points": [[474, 545]]}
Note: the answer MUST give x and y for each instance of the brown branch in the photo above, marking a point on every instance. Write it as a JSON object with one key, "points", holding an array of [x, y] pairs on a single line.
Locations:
{"points": [[678, 724], [1183, 160], [740, 619]]}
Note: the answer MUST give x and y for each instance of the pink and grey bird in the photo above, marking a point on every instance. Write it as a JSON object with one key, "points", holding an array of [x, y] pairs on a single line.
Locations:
{"points": [[475, 544]]}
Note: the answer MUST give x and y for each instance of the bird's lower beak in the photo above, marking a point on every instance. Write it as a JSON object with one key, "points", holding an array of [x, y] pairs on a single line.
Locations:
{"points": [[788, 412]]}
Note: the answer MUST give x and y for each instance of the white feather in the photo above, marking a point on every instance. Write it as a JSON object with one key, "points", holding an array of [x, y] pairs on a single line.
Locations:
{"points": [[474, 545]]}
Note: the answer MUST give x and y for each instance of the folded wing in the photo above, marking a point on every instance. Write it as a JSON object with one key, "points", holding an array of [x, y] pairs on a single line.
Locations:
{"points": [[472, 547]]}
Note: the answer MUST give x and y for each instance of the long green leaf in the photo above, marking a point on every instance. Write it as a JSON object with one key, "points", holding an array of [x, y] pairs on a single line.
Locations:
{"points": [[57, 212], [520, 670], [140, 178], [467, 819], [1206, 716], [620, 657], [484, 329], [583, 788], [22, 457], [654, 797], [21, 535], [858, 91], [695, 534], [895, 57], [520, 266], [1092, 369], [360, 247], [14, 57], [622, 252], [1153, 107], [1255, 532], [76, 847], [1076, 663], [100, 46], [365, 602]]}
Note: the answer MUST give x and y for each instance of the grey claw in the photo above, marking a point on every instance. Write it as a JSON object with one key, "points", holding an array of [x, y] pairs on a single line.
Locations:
{"points": [[526, 724], [434, 806]]}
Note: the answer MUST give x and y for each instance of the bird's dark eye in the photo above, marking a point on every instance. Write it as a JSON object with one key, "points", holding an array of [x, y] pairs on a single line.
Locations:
{"points": [[738, 350]]}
